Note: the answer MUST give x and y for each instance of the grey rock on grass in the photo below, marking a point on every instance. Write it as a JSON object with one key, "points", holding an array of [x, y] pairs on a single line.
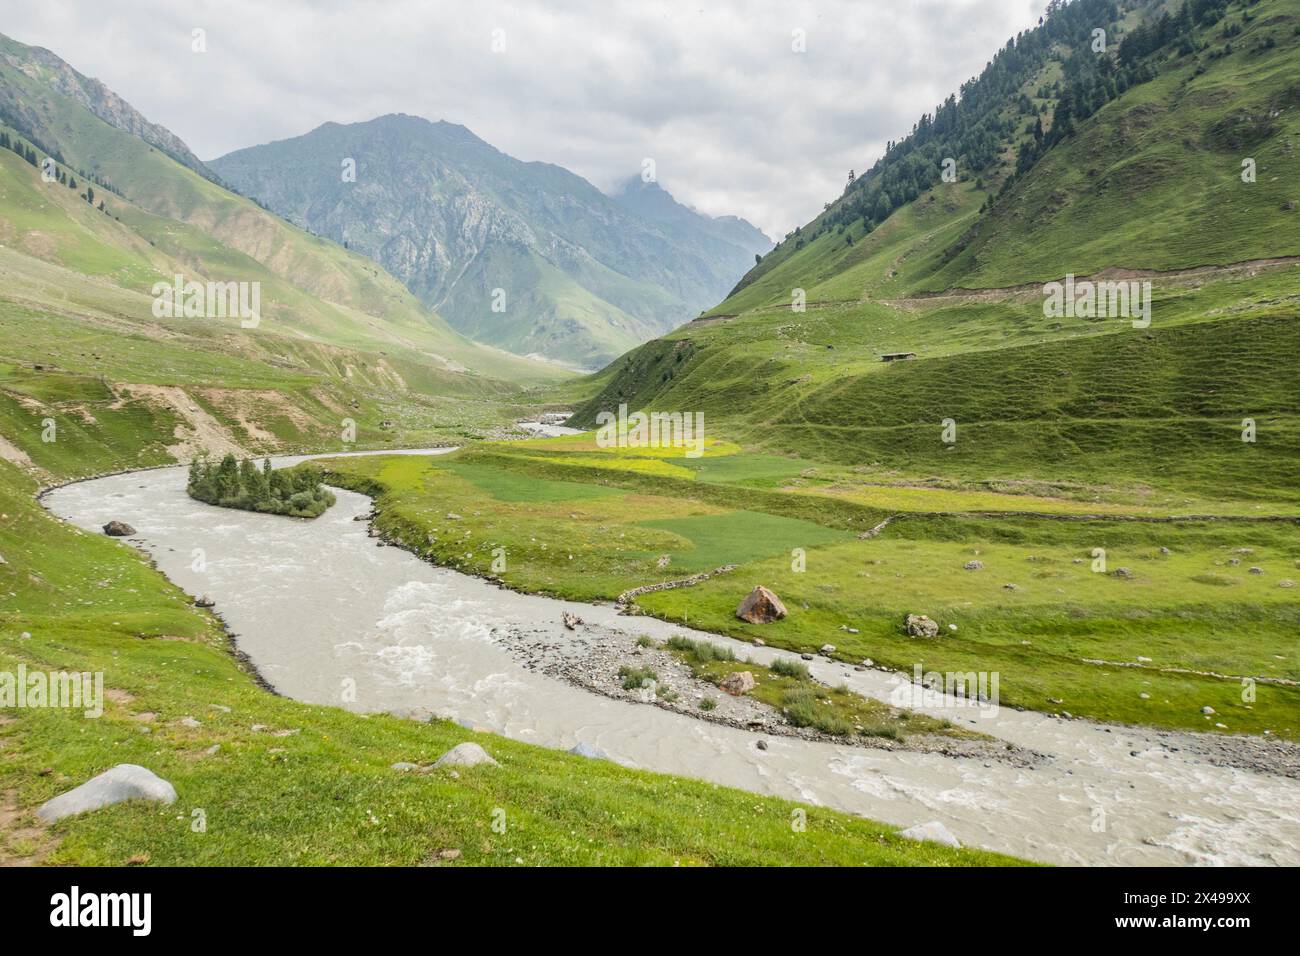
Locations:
{"points": [[932, 832], [126, 781], [466, 755], [587, 750]]}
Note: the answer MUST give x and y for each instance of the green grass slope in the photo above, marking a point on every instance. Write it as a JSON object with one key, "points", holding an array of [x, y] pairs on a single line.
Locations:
{"points": [[1148, 184]]}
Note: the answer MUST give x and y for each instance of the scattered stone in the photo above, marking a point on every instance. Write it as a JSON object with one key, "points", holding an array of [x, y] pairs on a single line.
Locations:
{"points": [[1256, 570], [1286, 583], [1207, 710], [919, 625], [403, 766], [737, 683], [118, 529], [761, 744], [761, 606], [663, 561], [571, 621], [1123, 572], [466, 755], [126, 781], [204, 601], [828, 648], [449, 854], [953, 628], [1010, 587], [588, 751], [452, 516], [806, 657], [1165, 551], [190, 722], [759, 642], [974, 565], [933, 832], [1144, 696], [213, 750], [1143, 660]]}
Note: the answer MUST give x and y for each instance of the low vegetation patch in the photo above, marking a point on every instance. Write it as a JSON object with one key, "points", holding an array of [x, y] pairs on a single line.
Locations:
{"points": [[788, 687]]}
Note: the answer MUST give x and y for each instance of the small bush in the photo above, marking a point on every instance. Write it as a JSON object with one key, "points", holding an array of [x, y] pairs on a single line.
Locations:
{"points": [[701, 651], [634, 677], [708, 703], [790, 668]]}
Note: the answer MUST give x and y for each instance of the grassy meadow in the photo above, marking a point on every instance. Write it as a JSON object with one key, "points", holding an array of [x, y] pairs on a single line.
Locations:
{"points": [[1142, 621]]}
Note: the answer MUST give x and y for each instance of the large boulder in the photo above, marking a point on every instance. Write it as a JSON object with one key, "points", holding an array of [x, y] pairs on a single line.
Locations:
{"points": [[466, 755], [932, 832], [118, 529], [126, 781], [761, 606], [918, 625], [737, 683]]}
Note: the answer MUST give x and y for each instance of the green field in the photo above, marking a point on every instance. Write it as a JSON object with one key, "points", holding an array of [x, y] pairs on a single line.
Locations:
{"points": [[1205, 602]]}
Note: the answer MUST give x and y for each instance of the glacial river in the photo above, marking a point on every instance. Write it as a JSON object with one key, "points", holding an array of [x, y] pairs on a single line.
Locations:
{"points": [[317, 604]]}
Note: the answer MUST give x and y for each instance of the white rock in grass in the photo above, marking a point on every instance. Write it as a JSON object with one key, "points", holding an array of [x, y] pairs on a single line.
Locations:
{"points": [[466, 755], [932, 832], [126, 781], [587, 750]]}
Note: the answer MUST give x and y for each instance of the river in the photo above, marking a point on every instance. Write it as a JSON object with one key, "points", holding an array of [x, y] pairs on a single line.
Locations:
{"points": [[318, 607]]}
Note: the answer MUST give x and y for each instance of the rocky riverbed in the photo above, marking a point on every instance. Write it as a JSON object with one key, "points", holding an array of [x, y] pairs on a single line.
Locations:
{"points": [[592, 656]]}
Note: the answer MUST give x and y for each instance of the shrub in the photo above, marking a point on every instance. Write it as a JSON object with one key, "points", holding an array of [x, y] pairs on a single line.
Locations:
{"points": [[634, 677], [790, 668]]}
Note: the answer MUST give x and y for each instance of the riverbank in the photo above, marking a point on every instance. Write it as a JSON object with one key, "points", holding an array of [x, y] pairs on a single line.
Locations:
{"points": [[277, 781], [413, 638]]}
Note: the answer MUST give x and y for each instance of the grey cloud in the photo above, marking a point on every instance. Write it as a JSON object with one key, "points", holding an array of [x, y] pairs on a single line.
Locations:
{"points": [[736, 121]]}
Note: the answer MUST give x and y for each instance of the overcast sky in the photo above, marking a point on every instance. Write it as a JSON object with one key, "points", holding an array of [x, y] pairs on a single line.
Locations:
{"points": [[737, 121]]}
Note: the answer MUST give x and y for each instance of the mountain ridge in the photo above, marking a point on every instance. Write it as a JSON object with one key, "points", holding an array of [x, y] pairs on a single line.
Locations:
{"points": [[582, 276]]}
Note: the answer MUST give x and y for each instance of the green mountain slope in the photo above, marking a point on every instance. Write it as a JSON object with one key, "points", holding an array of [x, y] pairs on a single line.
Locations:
{"points": [[340, 345], [581, 276], [1145, 183]]}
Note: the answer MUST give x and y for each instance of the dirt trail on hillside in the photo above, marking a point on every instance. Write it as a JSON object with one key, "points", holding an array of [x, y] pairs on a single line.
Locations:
{"points": [[1247, 269]]}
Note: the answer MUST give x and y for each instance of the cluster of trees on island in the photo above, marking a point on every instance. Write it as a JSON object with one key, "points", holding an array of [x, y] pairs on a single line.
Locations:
{"points": [[230, 483]]}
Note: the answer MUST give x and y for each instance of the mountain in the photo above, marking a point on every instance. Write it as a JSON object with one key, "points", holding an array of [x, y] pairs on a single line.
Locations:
{"points": [[685, 226], [581, 276], [1163, 159], [82, 250], [30, 67]]}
